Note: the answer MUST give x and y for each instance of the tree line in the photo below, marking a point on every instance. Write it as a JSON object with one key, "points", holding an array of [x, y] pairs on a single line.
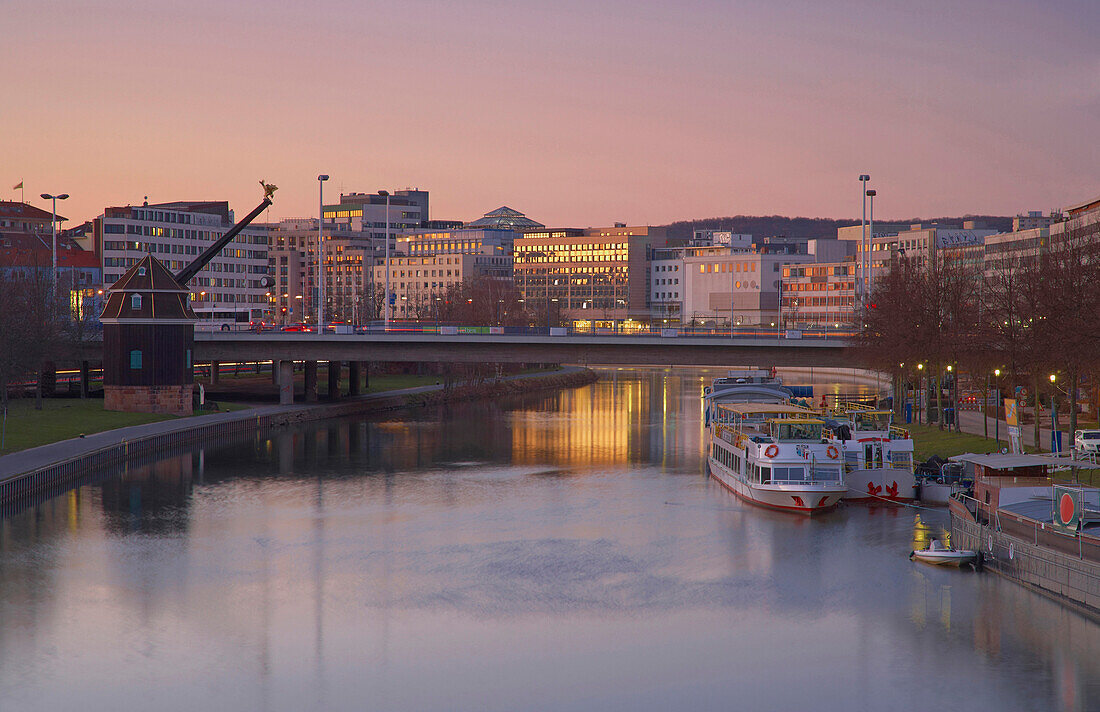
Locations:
{"points": [[1029, 315], [39, 322]]}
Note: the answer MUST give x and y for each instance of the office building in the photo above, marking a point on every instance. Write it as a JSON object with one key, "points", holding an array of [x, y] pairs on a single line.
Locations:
{"points": [[819, 295], [419, 284], [228, 289], [592, 277]]}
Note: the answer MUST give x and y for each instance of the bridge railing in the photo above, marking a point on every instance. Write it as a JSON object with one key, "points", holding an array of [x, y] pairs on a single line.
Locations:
{"points": [[567, 331]]}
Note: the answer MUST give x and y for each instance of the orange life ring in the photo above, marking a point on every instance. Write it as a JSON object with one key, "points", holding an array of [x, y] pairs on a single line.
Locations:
{"points": [[772, 451], [832, 452]]}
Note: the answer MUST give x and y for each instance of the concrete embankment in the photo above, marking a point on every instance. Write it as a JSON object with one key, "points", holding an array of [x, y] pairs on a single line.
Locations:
{"points": [[44, 471], [1064, 567]]}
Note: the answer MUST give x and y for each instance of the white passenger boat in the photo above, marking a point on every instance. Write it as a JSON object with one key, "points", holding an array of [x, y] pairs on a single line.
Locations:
{"points": [[878, 457], [940, 555], [773, 455]]}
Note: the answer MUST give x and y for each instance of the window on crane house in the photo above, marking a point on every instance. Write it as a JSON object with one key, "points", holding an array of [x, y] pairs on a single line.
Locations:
{"points": [[135, 360]]}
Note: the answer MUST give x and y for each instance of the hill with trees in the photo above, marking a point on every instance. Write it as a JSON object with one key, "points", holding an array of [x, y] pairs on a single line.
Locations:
{"points": [[806, 228]]}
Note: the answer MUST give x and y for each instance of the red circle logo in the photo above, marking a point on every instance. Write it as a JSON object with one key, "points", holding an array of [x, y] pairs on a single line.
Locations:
{"points": [[1066, 508]]}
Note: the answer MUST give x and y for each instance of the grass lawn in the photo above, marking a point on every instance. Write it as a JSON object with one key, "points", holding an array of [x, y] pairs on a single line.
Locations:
{"points": [[64, 418], [929, 440]]}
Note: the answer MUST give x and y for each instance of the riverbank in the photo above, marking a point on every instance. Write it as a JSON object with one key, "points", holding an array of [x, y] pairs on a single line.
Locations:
{"points": [[48, 466]]}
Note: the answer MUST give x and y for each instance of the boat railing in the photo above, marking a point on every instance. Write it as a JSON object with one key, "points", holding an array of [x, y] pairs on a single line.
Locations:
{"points": [[897, 433]]}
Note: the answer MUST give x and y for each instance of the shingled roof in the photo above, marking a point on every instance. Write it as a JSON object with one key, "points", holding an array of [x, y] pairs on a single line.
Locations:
{"points": [[161, 296]]}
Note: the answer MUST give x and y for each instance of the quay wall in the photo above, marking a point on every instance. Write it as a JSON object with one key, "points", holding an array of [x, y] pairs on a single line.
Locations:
{"points": [[42, 483], [1031, 554]]}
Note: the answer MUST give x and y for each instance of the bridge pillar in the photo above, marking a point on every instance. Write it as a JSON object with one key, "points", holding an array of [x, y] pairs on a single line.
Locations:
{"points": [[353, 378], [311, 381], [334, 379], [366, 375], [286, 381], [275, 372], [215, 366]]}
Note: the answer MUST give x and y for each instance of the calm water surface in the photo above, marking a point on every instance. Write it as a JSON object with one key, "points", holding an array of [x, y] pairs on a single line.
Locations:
{"points": [[563, 552]]}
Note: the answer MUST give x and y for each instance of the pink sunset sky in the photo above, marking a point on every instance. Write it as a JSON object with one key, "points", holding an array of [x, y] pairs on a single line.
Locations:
{"points": [[576, 113]]}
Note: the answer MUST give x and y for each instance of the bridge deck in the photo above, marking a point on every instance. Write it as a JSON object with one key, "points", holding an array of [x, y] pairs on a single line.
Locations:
{"points": [[482, 348]]}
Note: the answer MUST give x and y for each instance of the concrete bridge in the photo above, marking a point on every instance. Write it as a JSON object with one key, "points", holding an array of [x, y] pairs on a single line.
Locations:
{"points": [[356, 350], [504, 348]]}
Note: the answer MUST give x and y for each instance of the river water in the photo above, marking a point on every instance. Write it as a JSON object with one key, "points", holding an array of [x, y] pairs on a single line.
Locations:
{"points": [[550, 552]]}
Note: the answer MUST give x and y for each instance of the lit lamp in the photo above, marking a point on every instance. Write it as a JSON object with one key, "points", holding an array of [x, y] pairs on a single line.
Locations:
{"points": [[1053, 416], [997, 410]]}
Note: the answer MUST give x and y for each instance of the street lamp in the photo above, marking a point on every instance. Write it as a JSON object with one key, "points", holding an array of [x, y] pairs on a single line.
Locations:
{"points": [[386, 195], [53, 227], [997, 409], [871, 241], [320, 253], [863, 178], [1053, 415], [920, 392]]}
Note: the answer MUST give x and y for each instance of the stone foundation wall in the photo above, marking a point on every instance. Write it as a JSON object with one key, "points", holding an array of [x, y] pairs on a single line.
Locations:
{"points": [[1067, 578], [173, 400]]}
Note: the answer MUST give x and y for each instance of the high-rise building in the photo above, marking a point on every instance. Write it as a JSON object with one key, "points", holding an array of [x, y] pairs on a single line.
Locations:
{"points": [[228, 289]]}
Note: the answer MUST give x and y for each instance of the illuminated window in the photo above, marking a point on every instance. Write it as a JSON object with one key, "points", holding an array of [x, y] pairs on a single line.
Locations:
{"points": [[135, 360], [135, 302]]}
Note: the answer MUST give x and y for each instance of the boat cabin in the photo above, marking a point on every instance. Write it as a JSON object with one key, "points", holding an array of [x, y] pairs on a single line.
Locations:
{"points": [[773, 443], [1006, 479]]}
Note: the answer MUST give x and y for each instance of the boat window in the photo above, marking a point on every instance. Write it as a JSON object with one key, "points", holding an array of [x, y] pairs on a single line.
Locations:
{"points": [[799, 431], [788, 473], [825, 474], [761, 474]]}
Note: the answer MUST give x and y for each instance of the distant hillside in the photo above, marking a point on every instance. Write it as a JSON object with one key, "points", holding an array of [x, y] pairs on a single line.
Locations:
{"points": [[806, 228]]}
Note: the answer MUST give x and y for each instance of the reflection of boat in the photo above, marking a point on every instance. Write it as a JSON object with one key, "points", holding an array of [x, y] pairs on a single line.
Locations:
{"points": [[773, 455], [878, 457], [941, 555]]}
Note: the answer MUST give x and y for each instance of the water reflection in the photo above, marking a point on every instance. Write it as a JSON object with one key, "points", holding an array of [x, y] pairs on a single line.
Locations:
{"points": [[558, 551]]}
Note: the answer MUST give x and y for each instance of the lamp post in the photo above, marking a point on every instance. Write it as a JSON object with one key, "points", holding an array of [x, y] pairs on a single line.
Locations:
{"points": [[919, 397], [1053, 419], [320, 253], [997, 410], [871, 242], [863, 178], [53, 229], [386, 194]]}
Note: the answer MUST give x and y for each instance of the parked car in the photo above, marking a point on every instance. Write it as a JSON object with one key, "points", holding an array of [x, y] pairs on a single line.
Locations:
{"points": [[297, 327], [1087, 441]]}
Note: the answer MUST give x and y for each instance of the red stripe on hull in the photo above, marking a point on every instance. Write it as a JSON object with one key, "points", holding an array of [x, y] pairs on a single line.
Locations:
{"points": [[808, 511]]}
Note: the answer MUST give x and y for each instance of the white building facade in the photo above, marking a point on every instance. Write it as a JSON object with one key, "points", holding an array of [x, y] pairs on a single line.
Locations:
{"points": [[229, 289]]}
